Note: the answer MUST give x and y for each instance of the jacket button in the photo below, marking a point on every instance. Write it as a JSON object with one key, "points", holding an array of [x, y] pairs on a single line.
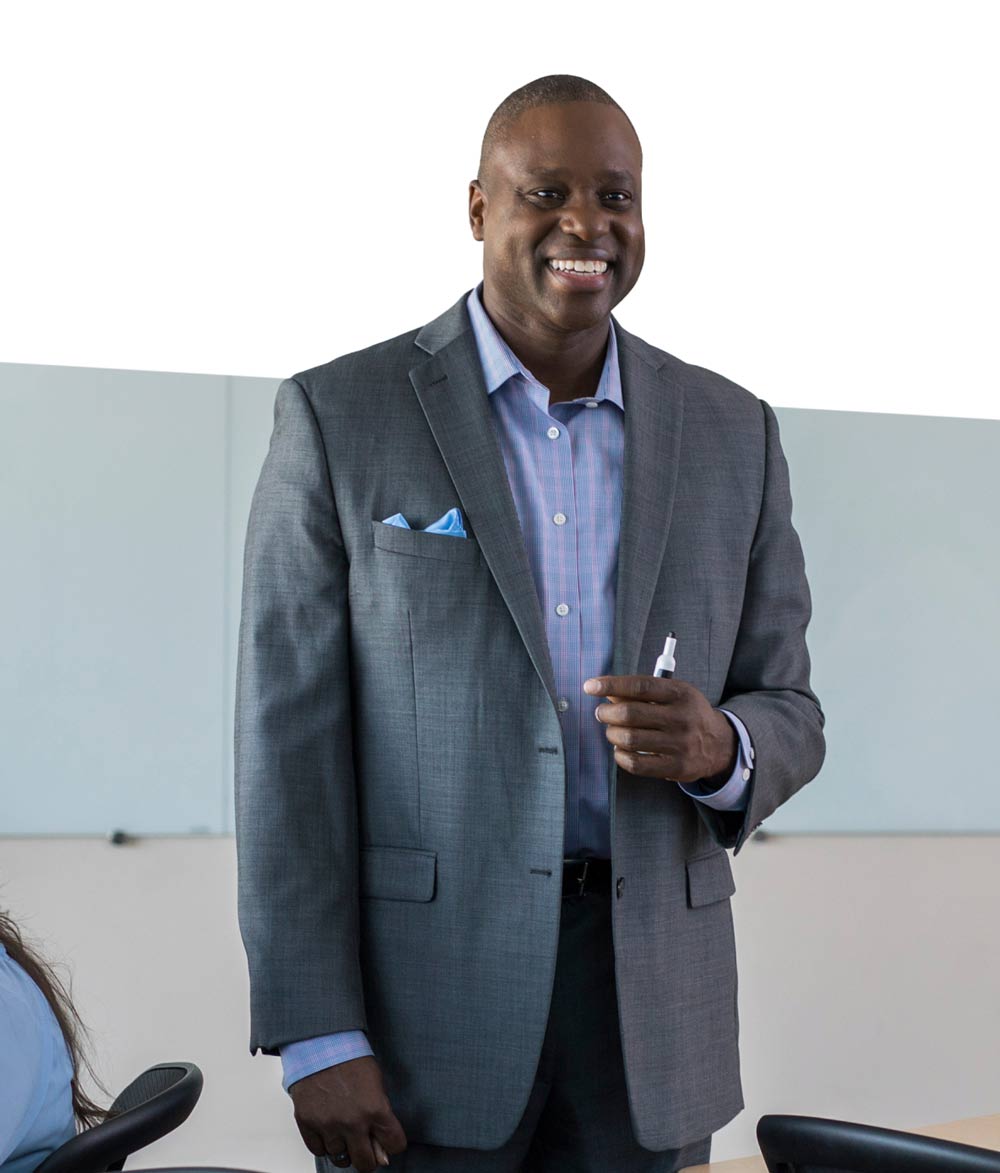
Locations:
{"points": [[619, 886]]}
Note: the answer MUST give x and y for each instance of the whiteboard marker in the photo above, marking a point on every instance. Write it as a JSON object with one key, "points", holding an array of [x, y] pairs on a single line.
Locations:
{"points": [[665, 663]]}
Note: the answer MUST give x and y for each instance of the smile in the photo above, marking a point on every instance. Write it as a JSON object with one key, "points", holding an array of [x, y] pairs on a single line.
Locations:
{"points": [[578, 266], [580, 275]]}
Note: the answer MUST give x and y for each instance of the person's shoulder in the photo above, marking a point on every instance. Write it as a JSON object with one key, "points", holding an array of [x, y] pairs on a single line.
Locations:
{"points": [[21, 1000], [386, 364], [370, 362], [706, 385]]}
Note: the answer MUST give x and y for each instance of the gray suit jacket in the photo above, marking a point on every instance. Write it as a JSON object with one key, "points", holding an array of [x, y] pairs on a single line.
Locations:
{"points": [[400, 776]]}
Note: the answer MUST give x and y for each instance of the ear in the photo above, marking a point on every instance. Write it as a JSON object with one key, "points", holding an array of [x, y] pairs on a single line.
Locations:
{"points": [[477, 209]]}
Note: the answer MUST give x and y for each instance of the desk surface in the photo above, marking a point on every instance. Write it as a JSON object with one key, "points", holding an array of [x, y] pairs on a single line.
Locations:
{"points": [[983, 1131]]}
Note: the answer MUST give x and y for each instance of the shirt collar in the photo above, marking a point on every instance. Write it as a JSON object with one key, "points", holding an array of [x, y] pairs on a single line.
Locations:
{"points": [[500, 363]]}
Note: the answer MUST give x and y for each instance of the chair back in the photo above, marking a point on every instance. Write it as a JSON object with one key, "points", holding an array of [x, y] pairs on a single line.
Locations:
{"points": [[811, 1144], [153, 1104]]}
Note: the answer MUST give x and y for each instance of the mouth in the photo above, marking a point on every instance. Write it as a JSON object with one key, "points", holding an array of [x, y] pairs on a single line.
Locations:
{"points": [[580, 275]]}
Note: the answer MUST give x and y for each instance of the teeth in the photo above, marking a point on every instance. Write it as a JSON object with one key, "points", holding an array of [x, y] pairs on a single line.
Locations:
{"points": [[579, 266]]}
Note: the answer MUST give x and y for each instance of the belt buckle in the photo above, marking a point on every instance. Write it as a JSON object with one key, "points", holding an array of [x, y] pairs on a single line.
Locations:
{"points": [[583, 876]]}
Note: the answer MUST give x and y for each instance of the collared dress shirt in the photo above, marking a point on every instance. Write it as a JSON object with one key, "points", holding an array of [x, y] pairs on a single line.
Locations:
{"points": [[564, 463]]}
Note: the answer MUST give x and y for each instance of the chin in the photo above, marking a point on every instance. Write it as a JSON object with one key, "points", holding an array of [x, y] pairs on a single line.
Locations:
{"points": [[579, 312]]}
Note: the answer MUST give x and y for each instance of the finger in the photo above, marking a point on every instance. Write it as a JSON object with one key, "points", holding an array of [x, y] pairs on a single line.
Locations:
{"points": [[621, 711], [312, 1140], [637, 714], [608, 688], [390, 1134], [337, 1146], [362, 1155], [648, 688], [636, 740], [644, 752], [642, 765]]}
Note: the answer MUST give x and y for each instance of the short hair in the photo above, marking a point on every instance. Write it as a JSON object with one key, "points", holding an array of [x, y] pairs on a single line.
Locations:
{"points": [[550, 90]]}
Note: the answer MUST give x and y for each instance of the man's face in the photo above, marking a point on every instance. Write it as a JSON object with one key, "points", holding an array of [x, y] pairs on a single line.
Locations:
{"points": [[567, 186]]}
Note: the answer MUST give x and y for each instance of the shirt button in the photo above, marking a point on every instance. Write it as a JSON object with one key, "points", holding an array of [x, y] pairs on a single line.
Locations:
{"points": [[559, 518], [562, 609], [751, 753], [619, 886], [746, 775], [553, 433], [562, 704], [590, 403]]}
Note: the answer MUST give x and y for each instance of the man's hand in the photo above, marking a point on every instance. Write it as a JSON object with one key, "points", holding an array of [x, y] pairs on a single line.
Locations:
{"points": [[665, 728], [344, 1109]]}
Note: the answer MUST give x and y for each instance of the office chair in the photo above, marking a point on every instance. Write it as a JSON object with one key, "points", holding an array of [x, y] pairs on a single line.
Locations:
{"points": [[153, 1104], [809, 1144]]}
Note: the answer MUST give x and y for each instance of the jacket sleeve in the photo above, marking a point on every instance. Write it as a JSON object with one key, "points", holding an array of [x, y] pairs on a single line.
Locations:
{"points": [[296, 810], [767, 686]]}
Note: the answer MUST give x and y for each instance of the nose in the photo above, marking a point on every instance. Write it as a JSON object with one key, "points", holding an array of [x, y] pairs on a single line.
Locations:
{"points": [[585, 217]]}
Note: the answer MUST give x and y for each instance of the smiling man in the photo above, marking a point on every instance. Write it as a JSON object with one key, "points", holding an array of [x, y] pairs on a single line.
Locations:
{"points": [[485, 930], [562, 244]]}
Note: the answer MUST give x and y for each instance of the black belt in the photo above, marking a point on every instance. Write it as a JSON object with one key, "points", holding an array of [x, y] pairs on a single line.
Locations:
{"points": [[586, 875]]}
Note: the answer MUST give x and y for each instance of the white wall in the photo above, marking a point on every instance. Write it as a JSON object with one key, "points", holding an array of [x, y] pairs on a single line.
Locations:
{"points": [[868, 980], [252, 189]]}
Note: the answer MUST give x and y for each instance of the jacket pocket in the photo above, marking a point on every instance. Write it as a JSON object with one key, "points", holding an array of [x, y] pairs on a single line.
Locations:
{"points": [[709, 878], [397, 873], [419, 543]]}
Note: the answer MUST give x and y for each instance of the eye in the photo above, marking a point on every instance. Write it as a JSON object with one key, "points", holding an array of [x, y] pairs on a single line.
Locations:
{"points": [[547, 193]]}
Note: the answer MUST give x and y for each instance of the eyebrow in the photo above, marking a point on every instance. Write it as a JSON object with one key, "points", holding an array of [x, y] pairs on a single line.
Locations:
{"points": [[557, 172]]}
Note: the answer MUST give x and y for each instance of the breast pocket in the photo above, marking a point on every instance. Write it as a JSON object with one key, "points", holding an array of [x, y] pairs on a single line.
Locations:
{"points": [[441, 581], [417, 543]]}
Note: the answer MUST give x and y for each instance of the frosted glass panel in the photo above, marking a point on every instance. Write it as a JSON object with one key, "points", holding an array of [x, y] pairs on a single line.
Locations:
{"points": [[900, 525], [124, 499]]}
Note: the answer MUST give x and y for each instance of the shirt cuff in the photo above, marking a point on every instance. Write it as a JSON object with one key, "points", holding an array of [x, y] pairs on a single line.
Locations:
{"points": [[308, 1056], [732, 796]]}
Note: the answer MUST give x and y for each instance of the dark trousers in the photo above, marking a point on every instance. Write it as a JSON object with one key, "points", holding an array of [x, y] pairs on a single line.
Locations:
{"points": [[577, 1117]]}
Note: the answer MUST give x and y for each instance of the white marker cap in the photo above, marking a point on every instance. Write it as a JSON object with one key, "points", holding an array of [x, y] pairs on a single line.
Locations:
{"points": [[666, 660]]}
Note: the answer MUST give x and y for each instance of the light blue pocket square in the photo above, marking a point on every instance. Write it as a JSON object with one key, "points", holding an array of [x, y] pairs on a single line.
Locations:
{"points": [[449, 523]]}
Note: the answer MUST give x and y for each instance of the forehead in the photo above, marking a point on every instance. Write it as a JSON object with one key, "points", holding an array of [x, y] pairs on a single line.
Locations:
{"points": [[553, 141]]}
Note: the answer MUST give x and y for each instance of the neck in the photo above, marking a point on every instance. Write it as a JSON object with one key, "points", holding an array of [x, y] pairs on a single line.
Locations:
{"points": [[567, 362]]}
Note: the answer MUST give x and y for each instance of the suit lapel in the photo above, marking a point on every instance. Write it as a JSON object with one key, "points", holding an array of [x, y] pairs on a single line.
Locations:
{"points": [[452, 393], [654, 414]]}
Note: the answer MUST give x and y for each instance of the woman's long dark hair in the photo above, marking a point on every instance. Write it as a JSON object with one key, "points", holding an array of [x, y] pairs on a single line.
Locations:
{"points": [[86, 1112]]}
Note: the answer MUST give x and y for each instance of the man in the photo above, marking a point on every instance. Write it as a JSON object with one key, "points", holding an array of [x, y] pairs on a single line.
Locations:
{"points": [[484, 930]]}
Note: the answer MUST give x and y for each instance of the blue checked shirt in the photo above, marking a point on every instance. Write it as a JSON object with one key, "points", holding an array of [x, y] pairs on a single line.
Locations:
{"points": [[564, 464]]}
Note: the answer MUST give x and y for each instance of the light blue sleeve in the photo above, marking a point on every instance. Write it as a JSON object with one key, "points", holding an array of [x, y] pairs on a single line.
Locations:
{"points": [[36, 1099], [311, 1055], [21, 1061], [732, 796]]}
